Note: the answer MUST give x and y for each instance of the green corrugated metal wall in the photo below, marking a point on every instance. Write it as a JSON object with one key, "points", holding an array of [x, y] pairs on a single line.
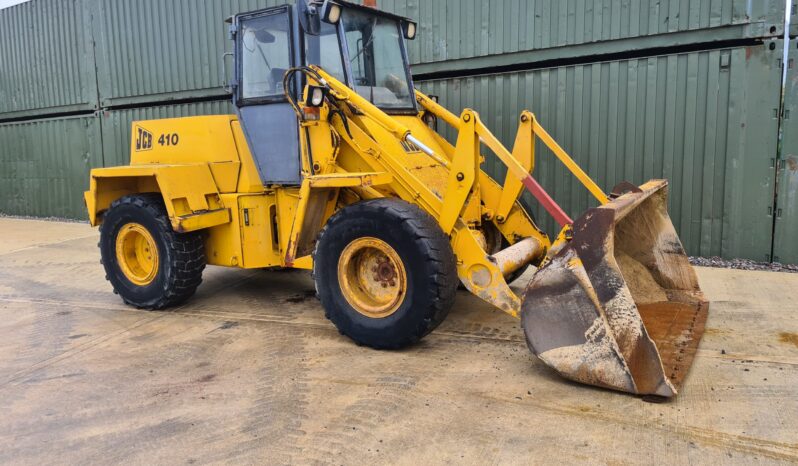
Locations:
{"points": [[703, 120], [455, 29], [706, 119], [44, 165], [153, 50], [39, 177], [69, 55], [785, 247], [40, 41]]}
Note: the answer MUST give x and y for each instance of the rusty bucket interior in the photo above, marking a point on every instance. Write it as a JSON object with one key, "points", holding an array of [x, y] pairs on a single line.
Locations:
{"points": [[620, 305]]}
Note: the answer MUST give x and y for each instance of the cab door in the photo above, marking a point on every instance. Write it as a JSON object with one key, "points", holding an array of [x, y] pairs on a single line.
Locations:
{"points": [[264, 50]]}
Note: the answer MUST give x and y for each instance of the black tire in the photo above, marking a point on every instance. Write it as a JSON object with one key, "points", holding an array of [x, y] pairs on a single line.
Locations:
{"points": [[427, 258], [181, 255]]}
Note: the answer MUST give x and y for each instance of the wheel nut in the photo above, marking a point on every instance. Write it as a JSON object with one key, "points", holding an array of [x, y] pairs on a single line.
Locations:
{"points": [[384, 285], [393, 283]]}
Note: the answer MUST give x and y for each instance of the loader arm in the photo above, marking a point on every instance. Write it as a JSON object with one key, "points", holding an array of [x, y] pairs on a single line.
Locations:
{"points": [[521, 161], [481, 272]]}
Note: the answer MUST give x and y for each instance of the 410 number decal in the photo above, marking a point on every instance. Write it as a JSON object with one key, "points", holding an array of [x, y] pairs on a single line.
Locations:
{"points": [[169, 139]]}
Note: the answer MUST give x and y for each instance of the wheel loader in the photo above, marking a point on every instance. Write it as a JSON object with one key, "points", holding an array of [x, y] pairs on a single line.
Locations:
{"points": [[332, 163]]}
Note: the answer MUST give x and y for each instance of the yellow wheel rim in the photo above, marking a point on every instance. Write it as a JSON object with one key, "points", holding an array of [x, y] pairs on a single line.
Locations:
{"points": [[137, 254], [372, 277]]}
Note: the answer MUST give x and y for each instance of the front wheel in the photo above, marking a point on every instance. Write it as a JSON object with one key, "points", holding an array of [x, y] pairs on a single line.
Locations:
{"points": [[385, 273], [149, 265]]}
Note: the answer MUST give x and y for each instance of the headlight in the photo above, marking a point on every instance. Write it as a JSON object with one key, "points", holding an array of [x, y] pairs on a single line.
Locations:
{"points": [[315, 96], [410, 30], [330, 12], [318, 97]]}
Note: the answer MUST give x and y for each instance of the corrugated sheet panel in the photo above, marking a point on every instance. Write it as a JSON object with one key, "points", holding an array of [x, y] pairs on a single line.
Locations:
{"points": [[45, 58], [116, 124], [155, 50], [44, 166], [705, 120], [162, 48], [785, 241], [455, 29]]}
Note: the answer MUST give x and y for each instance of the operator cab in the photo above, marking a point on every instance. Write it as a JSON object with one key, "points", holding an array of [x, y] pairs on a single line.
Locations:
{"points": [[360, 46]]}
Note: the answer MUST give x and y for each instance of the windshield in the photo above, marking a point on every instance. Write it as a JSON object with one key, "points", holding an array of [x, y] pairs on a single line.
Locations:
{"points": [[325, 51], [376, 60]]}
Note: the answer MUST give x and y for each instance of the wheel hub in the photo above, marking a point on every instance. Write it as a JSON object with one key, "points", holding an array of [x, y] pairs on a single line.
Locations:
{"points": [[137, 254], [385, 272], [372, 277]]}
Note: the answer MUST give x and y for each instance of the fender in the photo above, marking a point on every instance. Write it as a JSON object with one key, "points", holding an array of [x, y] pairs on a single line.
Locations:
{"points": [[188, 191]]}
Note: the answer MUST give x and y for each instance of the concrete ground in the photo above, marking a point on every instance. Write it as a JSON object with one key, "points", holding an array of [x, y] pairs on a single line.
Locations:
{"points": [[249, 371]]}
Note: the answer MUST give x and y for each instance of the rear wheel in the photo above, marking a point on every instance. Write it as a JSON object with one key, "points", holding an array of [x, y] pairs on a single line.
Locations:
{"points": [[385, 273], [149, 264]]}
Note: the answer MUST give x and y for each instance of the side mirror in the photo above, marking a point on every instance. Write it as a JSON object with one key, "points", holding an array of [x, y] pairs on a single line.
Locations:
{"points": [[264, 37], [309, 18]]}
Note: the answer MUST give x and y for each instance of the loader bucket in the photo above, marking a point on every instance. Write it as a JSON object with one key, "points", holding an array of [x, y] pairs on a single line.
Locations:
{"points": [[619, 306]]}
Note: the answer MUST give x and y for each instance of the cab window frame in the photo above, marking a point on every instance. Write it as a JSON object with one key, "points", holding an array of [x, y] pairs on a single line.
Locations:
{"points": [[341, 57], [285, 10], [413, 108]]}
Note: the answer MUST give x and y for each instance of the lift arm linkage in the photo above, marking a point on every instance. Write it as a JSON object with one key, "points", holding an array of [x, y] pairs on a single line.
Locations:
{"points": [[521, 162], [480, 272]]}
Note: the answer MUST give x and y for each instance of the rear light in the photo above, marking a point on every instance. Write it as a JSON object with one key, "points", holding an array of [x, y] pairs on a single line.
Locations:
{"points": [[311, 113]]}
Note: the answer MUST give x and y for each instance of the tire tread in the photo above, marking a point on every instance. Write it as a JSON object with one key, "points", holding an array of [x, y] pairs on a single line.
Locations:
{"points": [[188, 258], [438, 254]]}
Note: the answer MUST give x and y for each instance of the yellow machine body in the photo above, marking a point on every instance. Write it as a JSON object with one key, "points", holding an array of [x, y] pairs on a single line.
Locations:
{"points": [[351, 151], [204, 171]]}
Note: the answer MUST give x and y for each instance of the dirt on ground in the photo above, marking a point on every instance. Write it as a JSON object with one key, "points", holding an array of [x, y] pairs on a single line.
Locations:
{"points": [[743, 264], [249, 371]]}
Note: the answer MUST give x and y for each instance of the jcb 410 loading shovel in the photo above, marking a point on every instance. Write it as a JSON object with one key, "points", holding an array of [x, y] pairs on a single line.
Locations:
{"points": [[360, 187], [619, 305]]}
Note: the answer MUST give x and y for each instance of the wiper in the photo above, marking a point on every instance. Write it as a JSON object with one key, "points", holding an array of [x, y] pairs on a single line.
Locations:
{"points": [[265, 60], [368, 42]]}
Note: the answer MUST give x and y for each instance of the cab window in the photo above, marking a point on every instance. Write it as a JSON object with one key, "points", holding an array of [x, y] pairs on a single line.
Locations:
{"points": [[376, 61], [265, 55], [325, 50]]}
